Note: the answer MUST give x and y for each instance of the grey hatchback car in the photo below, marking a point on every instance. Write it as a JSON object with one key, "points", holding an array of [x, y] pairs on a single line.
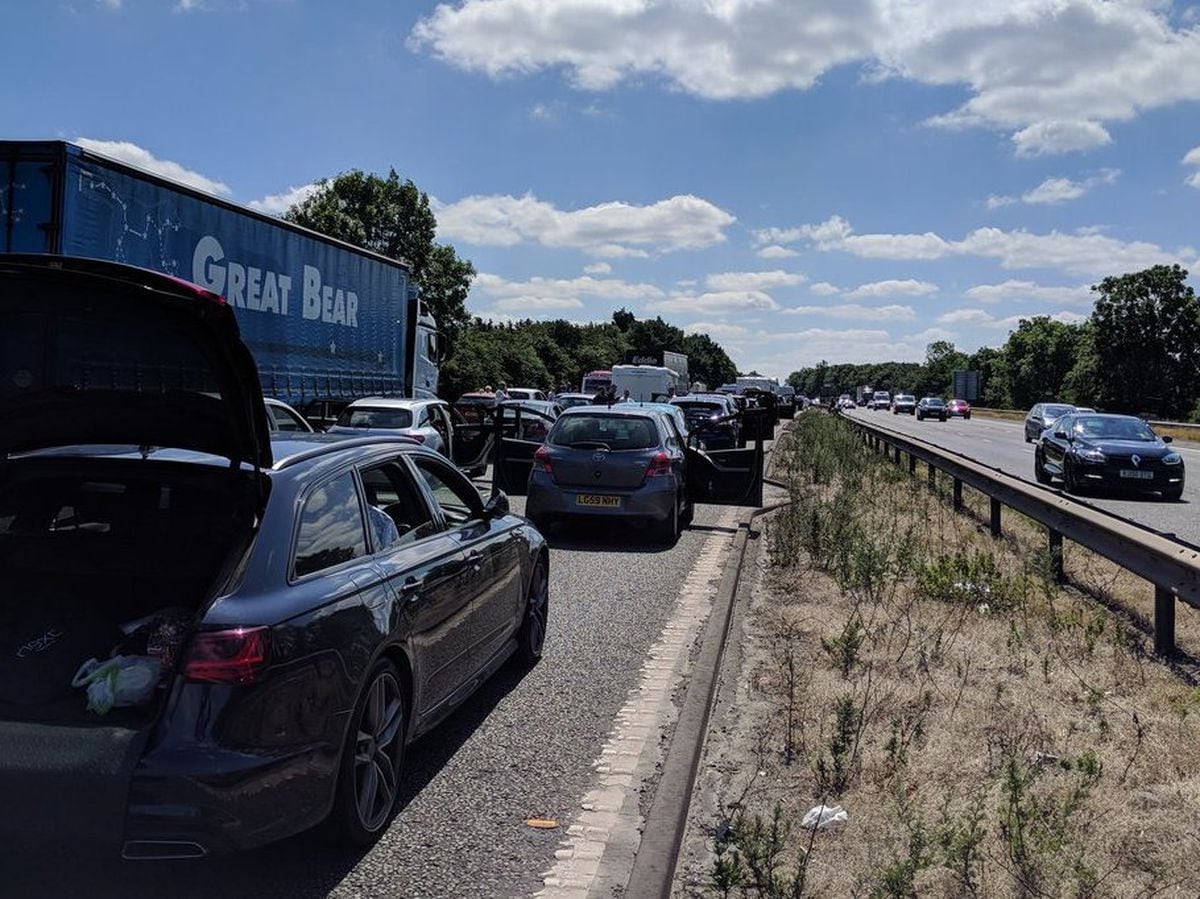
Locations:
{"points": [[612, 462], [297, 608]]}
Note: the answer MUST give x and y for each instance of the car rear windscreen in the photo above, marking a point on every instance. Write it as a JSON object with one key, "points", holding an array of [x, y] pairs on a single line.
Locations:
{"points": [[614, 432], [367, 417]]}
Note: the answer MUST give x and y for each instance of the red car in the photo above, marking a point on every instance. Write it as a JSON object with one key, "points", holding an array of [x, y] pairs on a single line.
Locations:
{"points": [[959, 407]]}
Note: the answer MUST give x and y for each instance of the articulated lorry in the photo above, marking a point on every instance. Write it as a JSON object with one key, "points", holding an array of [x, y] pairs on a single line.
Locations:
{"points": [[327, 322]]}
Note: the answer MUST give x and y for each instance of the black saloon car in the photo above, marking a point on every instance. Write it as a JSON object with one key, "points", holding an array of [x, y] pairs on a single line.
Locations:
{"points": [[278, 617], [932, 407], [1117, 452]]}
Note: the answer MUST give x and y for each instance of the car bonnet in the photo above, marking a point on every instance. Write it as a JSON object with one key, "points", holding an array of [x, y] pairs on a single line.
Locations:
{"points": [[99, 353]]}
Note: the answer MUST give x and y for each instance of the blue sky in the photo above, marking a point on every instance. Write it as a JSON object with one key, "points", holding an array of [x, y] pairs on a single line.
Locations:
{"points": [[804, 179]]}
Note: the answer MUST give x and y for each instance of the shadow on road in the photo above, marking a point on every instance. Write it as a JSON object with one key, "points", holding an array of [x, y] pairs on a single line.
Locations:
{"points": [[305, 867]]}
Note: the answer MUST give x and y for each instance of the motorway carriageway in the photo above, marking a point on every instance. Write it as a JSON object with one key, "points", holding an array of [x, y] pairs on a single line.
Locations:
{"points": [[1001, 444]]}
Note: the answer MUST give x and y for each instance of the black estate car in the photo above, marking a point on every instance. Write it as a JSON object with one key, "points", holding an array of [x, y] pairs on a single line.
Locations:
{"points": [[272, 619], [1111, 451]]}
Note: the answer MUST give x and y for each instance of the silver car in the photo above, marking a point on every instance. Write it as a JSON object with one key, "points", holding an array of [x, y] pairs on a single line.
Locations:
{"points": [[426, 421]]}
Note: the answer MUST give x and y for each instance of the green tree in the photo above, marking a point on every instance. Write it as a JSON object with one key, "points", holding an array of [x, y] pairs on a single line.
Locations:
{"points": [[392, 217], [1038, 356], [623, 319], [993, 384], [941, 361], [707, 362], [1146, 342]]}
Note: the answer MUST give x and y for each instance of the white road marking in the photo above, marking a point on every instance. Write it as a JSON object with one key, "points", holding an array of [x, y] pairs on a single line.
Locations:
{"points": [[611, 821]]}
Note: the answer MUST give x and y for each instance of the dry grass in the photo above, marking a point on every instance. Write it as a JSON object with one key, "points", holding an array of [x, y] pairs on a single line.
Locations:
{"points": [[989, 733]]}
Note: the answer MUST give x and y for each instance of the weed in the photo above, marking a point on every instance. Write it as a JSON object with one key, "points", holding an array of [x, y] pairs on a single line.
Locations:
{"points": [[843, 649], [960, 840], [751, 854], [835, 771]]}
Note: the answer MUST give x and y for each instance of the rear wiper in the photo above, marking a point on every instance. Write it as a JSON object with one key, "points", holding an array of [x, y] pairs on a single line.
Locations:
{"points": [[590, 444]]}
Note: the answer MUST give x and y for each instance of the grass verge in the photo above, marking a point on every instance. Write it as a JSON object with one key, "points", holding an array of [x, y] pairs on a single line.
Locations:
{"points": [[988, 732]]}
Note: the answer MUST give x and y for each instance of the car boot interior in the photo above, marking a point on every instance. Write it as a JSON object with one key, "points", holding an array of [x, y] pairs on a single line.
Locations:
{"points": [[117, 558]]}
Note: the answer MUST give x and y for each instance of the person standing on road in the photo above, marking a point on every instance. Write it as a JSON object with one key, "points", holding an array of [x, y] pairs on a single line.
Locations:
{"points": [[502, 393]]}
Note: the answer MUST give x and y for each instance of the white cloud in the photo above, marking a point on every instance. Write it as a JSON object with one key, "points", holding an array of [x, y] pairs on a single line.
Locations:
{"points": [[716, 330], [996, 202], [536, 289], [1052, 71], [715, 302], [536, 303], [824, 289], [726, 281], [776, 252], [1086, 252], [277, 204], [598, 268], [608, 230], [857, 312], [986, 319], [109, 4], [540, 112], [1193, 158], [136, 156], [1016, 291], [1054, 136], [1061, 190], [894, 288]]}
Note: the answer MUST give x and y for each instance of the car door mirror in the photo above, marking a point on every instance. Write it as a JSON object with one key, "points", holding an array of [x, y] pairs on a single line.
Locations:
{"points": [[1167, 438], [1062, 435], [497, 506]]}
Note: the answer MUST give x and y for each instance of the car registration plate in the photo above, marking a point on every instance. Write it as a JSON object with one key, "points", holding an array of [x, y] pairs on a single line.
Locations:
{"points": [[601, 502], [1137, 475]]}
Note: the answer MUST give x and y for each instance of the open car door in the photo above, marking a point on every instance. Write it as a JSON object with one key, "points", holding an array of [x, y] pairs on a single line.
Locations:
{"points": [[731, 477], [473, 440], [519, 433]]}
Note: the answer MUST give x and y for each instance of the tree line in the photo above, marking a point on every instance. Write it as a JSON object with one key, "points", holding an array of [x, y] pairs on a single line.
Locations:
{"points": [[393, 217], [1138, 352]]}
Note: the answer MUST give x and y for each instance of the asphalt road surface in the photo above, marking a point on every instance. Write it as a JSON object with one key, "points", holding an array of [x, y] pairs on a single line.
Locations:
{"points": [[522, 747], [1002, 445]]}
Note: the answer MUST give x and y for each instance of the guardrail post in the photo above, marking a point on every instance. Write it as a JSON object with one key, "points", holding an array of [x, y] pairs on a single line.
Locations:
{"points": [[995, 517], [1164, 621], [932, 475], [958, 503], [912, 464], [1056, 554]]}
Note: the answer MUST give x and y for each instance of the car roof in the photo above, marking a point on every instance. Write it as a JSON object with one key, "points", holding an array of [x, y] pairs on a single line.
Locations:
{"points": [[393, 402], [718, 398], [615, 409], [292, 447]]}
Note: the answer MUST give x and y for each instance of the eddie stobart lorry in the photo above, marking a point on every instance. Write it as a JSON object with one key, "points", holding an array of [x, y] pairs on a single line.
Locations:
{"points": [[327, 322]]}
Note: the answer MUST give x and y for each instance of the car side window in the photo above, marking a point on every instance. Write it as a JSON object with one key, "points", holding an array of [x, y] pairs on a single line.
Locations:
{"points": [[422, 417], [396, 511], [455, 495], [674, 437], [331, 527], [286, 421], [1035, 412]]}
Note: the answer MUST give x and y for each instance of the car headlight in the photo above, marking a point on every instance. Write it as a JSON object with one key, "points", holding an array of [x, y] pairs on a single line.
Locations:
{"points": [[1090, 455], [1172, 459]]}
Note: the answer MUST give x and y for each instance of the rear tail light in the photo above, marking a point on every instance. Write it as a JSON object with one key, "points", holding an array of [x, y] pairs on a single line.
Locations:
{"points": [[542, 458], [236, 656], [659, 465]]}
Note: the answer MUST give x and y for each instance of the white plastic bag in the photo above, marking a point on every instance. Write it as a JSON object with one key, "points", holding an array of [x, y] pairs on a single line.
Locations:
{"points": [[118, 682], [823, 816]]}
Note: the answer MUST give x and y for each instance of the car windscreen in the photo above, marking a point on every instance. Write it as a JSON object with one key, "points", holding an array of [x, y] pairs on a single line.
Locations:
{"points": [[701, 411], [374, 417], [1099, 427], [1052, 412], [933, 401], [614, 432]]}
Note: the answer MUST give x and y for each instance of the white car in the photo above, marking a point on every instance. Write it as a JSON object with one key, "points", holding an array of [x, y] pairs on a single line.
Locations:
{"points": [[430, 422]]}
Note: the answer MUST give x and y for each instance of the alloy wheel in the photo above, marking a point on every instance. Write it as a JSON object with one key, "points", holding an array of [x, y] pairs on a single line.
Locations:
{"points": [[377, 752]]}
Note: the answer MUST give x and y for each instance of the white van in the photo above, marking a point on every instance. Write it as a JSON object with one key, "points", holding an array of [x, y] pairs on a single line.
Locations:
{"points": [[645, 383]]}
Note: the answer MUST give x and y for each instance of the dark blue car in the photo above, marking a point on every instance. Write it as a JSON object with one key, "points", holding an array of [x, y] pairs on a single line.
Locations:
{"points": [[295, 608]]}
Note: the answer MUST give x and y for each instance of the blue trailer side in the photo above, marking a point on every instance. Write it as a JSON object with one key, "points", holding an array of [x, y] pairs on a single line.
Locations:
{"points": [[325, 320]]}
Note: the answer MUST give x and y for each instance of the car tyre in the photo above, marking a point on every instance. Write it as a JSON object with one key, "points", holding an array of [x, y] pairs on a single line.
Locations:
{"points": [[368, 787], [531, 639], [1173, 495], [668, 531], [1039, 469], [1070, 481], [967, 417]]}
